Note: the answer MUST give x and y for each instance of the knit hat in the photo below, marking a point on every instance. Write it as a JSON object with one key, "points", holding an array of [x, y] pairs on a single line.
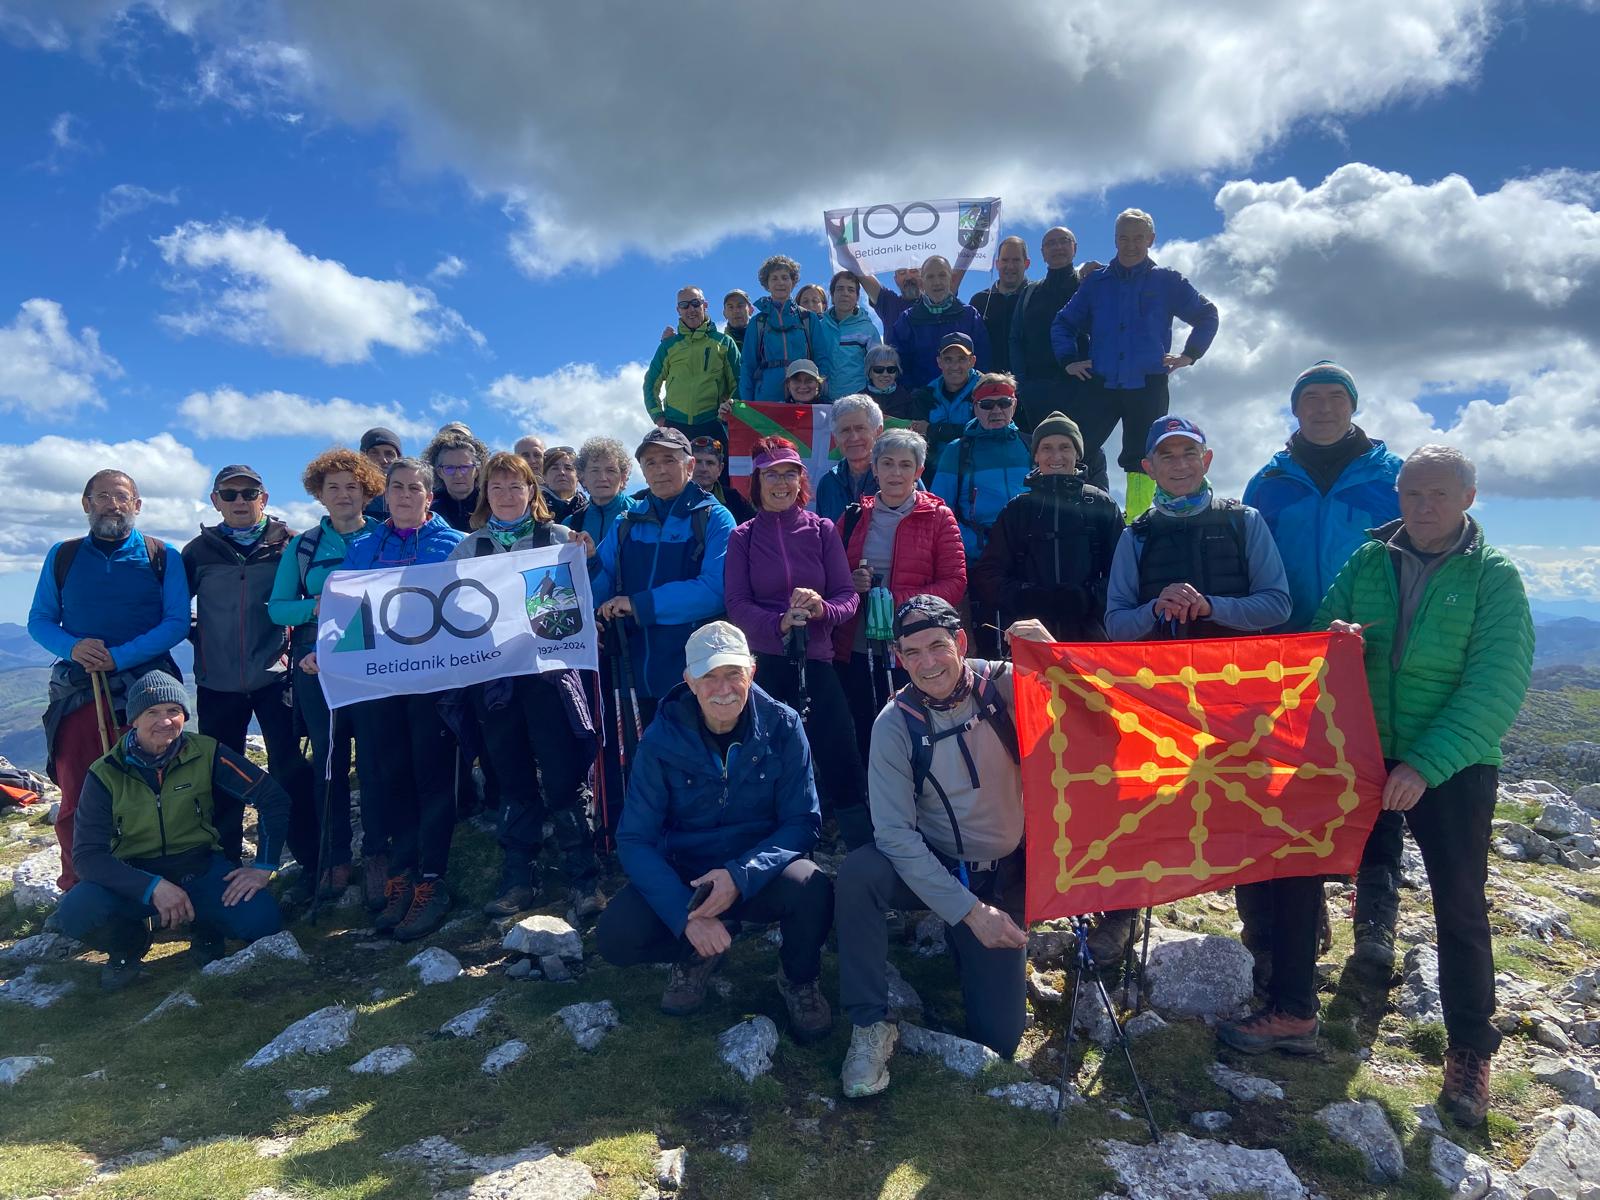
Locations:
{"points": [[1057, 424], [1322, 371], [152, 688], [379, 436]]}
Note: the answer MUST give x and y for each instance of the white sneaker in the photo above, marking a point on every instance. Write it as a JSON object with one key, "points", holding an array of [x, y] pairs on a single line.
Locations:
{"points": [[866, 1066]]}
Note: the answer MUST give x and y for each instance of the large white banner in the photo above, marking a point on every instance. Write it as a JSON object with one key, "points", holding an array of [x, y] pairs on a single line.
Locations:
{"points": [[445, 625], [885, 237]]}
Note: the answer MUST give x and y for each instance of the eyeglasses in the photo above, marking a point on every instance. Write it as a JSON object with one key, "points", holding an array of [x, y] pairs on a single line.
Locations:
{"points": [[231, 494], [464, 469], [121, 499], [884, 370], [780, 475], [990, 405], [691, 303]]}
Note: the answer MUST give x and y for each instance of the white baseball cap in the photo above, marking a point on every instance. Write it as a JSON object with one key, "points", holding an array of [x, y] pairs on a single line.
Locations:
{"points": [[717, 644]]}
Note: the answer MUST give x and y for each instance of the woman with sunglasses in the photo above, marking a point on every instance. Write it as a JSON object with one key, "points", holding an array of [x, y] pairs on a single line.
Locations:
{"points": [[788, 586], [853, 335], [886, 384], [565, 501]]}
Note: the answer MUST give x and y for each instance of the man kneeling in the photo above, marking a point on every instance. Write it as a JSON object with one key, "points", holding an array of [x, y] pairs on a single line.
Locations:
{"points": [[946, 797], [158, 838], [721, 801]]}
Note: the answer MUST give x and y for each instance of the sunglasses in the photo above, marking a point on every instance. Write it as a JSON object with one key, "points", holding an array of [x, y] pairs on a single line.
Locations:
{"points": [[691, 303], [705, 443], [990, 405], [229, 495], [884, 370]]}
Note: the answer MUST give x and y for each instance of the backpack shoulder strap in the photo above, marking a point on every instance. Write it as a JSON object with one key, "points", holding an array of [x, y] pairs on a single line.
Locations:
{"points": [[848, 520], [305, 550], [965, 450], [65, 553], [156, 551], [154, 548], [992, 708], [916, 719], [699, 523]]}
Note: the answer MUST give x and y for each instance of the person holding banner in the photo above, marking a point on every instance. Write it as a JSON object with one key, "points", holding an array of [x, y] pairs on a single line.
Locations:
{"points": [[920, 332], [540, 720], [788, 587], [945, 405], [419, 767], [694, 371], [562, 496], [857, 422], [780, 332], [853, 334]]}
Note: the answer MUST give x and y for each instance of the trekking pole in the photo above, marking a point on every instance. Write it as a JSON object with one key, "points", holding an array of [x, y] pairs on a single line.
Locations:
{"points": [[325, 831], [627, 675], [599, 719], [613, 649], [795, 645], [102, 703]]}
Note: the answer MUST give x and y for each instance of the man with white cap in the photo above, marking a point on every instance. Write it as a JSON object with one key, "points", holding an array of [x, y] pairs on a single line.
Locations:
{"points": [[721, 811]]}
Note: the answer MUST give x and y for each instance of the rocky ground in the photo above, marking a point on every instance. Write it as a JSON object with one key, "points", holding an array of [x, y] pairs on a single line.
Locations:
{"points": [[505, 1061]]}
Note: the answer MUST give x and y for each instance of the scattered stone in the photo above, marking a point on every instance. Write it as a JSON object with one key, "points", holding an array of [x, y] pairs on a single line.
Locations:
{"points": [[1418, 999], [1583, 988], [33, 881], [316, 1033], [1041, 990], [1588, 797], [13, 1069], [1561, 818], [520, 969], [928, 939], [41, 947], [30, 990], [1180, 1167], [540, 935], [506, 1054], [958, 1054], [904, 1002], [436, 965], [1198, 975], [748, 1047], [385, 1060], [433, 1154], [96, 1076], [1428, 1118], [670, 1166], [1037, 1097], [1547, 1033], [1362, 1125], [738, 1151], [589, 1023], [1140, 1024], [1463, 1174], [1566, 1158], [280, 946], [1211, 1121], [274, 1147], [1248, 1088], [468, 1023], [1091, 1019], [554, 968], [1572, 1077], [172, 1003], [301, 1099], [533, 1173], [1051, 946], [1538, 919]]}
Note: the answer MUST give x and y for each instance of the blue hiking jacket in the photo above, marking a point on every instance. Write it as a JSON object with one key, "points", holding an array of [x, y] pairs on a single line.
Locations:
{"points": [[115, 599], [997, 463], [385, 546], [918, 331], [690, 811], [852, 336], [945, 414], [776, 337], [1317, 534], [1127, 316], [672, 590]]}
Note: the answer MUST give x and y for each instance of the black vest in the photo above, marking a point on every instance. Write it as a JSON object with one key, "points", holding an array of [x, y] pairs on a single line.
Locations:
{"points": [[1206, 550]]}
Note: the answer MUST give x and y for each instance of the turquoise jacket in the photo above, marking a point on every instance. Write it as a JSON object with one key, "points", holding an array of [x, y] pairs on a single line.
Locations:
{"points": [[977, 474], [853, 336]]}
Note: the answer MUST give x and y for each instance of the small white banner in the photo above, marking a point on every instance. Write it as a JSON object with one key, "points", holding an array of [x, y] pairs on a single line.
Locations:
{"points": [[445, 625], [885, 237]]}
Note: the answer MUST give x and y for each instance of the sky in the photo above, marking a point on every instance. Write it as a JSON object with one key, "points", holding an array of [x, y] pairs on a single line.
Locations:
{"points": [[242, 232]]}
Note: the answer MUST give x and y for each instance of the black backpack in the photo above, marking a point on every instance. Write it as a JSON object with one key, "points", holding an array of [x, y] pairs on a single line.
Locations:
{"points": [[155, 549]]}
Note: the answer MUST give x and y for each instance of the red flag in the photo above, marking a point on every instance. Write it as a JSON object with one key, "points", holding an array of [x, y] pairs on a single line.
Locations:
{"points": [[808, 426], [1157, 770]]}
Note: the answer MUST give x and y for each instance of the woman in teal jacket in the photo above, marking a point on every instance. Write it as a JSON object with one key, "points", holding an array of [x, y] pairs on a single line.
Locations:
{"points": [[853, 335]]}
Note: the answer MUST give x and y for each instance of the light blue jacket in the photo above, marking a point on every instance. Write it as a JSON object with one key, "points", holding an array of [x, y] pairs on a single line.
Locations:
{"points": [[997, 463], [852, 338], [775, 337]]}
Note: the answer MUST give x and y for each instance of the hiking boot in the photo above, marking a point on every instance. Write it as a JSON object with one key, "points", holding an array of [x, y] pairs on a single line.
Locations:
{"points": [[430, 904], [397, 892], [333, 882], [517, 898], [866, 1064], [119, 972], [686, 986], [1270, 1029], [1465, 1095], [584, 900], [206, 947], [1374, 952], [810, 1018], [374, 881], [1110, 937]]}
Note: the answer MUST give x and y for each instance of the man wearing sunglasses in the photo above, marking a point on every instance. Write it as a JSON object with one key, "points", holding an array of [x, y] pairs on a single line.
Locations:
{"points": [[241, 656], [693, 372]]}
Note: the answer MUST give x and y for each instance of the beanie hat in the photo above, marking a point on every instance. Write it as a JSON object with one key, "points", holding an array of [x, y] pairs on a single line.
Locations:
{"points": [[379, 436], [1057, 424], [152, 688], [1323, 371]]}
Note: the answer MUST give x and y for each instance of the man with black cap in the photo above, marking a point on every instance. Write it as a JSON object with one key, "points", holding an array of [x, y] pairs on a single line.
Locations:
{"points": [[946, 403], [241, 656], [945, 789], [383, 447], [159, 838]]}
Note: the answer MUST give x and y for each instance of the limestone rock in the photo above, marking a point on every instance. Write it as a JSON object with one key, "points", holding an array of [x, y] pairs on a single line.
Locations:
{"points": [[1572, 1077], [468, 1023], [1583, 988], [301, 1099], [520, 969], [13, 1069], [1419, 988], [33, 881], [540, 935], [1194, 975], [589, 1023], [28, 989], [533, 1173], [1248, 1088], [670, 1168], [739, 1152], [1536, 918], [1037, 1097], [1463, 1174], [1051, 946], [41, 947], [1562, 818], [904, 1002], [1210, 1121], [1566, 1156], [1180, 1167], [958, 1054], [1361, 1124], [554, 968], [1588, 797], [316, 1033], [1142, 1023], [1091, 1019], [385, 1060], [928, 939], [280, 946], [504, 1055], [436, 965], [172, 1003], [748, 1047]]}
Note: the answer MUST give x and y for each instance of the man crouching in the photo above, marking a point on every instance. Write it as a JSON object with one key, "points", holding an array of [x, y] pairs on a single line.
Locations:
{"points": [[721, 797]]}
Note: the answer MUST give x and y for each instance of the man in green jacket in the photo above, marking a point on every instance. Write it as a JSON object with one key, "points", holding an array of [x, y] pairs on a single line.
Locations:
{"points": [[1449, 648], [696, 368]]}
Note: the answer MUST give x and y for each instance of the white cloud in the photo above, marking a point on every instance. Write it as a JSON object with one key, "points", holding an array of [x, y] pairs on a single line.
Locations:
{"points": [[261, 289], [1564, 573], [44, 370], [448, 267], [229, 413], [61, 132], [128, 198], [576, 402]]}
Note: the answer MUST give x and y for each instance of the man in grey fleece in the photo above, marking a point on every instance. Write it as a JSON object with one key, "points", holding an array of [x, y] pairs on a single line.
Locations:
{"points": [[954, 846]]}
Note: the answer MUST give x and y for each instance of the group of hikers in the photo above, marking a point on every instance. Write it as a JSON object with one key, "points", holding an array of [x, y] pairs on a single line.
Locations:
{"points": [[866, 614]]}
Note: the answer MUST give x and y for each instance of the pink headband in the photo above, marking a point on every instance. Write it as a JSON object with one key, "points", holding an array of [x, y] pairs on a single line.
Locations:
{"points": [[779, 454]]}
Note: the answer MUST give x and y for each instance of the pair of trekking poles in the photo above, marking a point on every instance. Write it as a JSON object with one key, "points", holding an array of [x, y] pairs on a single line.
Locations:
{"points": [[628, 731]]}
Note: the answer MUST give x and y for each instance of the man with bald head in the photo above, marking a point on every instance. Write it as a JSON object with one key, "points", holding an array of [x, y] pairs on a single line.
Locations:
{"points": [[997, 304]]}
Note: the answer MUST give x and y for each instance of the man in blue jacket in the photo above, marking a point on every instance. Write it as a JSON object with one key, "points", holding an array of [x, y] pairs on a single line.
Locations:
{"points": [[1125, 312], [721, 811], [1319, 496], [920, 331]]}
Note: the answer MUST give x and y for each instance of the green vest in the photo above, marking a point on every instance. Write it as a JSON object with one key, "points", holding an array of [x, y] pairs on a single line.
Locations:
{"points": [[146, 825]]}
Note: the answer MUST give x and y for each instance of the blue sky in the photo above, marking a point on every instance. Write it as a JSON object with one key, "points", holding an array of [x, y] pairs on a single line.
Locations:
{"points": [[259, 210]]}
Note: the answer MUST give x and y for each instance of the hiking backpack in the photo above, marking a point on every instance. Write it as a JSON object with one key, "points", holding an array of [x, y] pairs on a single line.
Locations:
{"points": [[155, 549]]}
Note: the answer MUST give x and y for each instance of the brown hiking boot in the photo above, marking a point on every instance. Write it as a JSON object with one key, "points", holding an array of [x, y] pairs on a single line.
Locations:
{"points": [[430, 904], [1465, 1095], [375, 877], [810, 1018], [686, 986], [333, 882], [1270, 1029], [397, 893]]}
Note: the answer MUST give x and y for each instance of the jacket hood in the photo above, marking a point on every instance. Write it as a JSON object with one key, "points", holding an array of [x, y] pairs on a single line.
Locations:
{"points": [[975, 428], [1386, 534], [1284, 462], [926, 501], [1037, 481], [705, 329]]}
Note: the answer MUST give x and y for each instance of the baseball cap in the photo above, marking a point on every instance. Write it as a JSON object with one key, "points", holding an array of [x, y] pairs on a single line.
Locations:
{"points": [[379, 436], [957, 339], [237, 471], [714, 645], [925, 612], [1164, 427], [671, 438], [802, 366]]}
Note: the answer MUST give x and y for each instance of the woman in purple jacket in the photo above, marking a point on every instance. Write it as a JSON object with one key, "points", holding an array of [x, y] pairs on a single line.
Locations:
{"points": [[788, 585]]}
